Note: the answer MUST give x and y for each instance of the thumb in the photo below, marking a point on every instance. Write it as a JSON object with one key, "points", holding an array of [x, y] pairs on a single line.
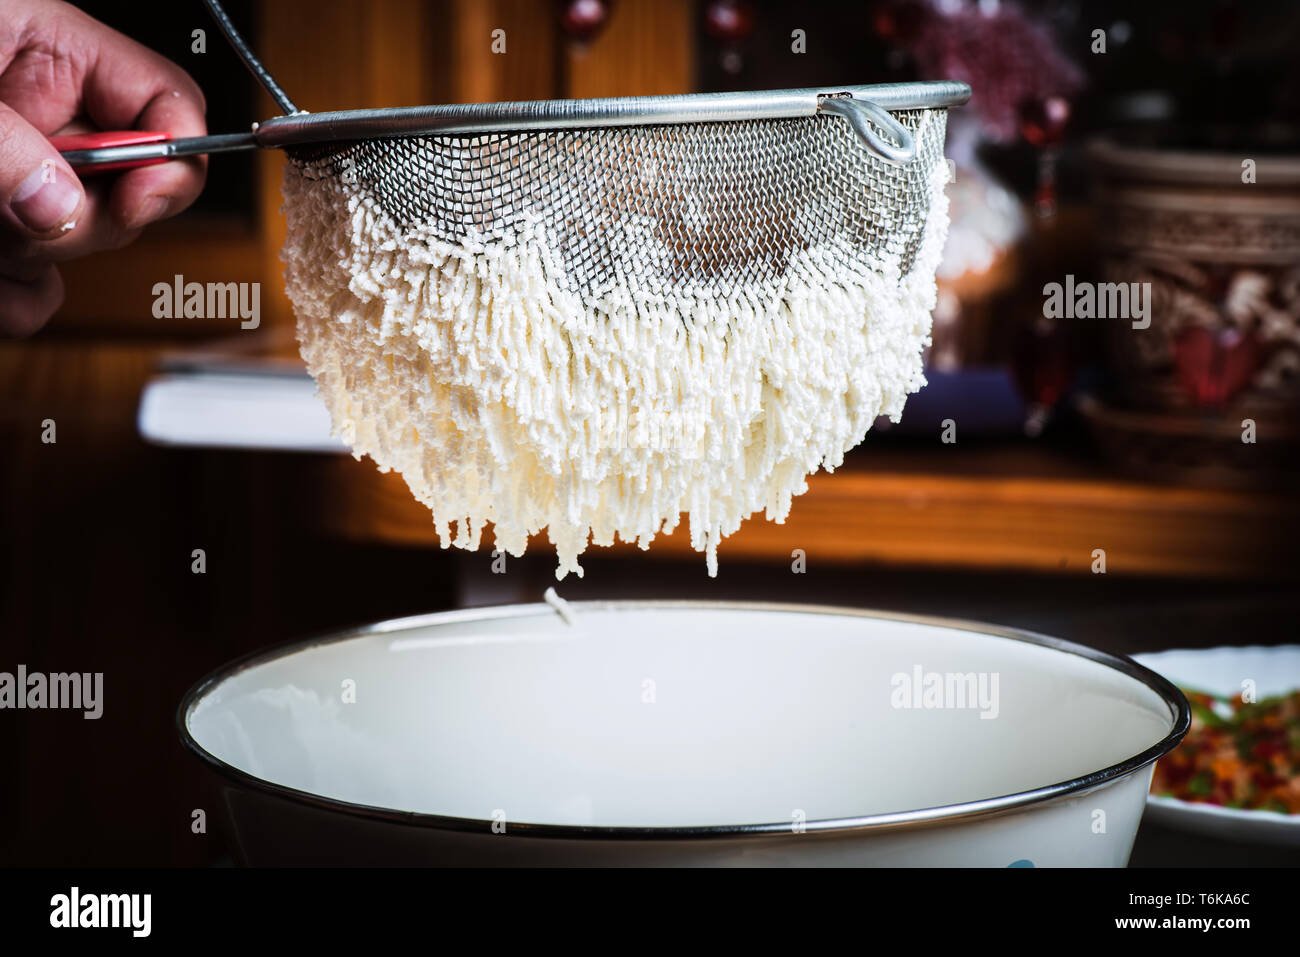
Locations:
{"points": [[36, 185]]}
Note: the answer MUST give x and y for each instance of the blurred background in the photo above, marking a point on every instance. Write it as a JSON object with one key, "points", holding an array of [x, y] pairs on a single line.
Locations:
{"points": [[1150, 142]]}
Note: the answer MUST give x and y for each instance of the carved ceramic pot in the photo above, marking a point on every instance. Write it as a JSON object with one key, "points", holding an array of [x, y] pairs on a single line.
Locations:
{"points": [[1217, 236]]}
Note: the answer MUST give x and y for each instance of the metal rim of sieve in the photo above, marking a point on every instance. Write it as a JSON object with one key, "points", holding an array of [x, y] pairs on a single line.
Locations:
{"points": [[866, 107]]}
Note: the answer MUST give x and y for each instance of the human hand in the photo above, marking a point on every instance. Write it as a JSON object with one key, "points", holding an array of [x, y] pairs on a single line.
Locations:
{"points": [[63, 72]]}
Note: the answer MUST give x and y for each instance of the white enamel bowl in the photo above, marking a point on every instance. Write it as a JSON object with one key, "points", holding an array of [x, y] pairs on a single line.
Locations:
{"points": [[683, 733]]}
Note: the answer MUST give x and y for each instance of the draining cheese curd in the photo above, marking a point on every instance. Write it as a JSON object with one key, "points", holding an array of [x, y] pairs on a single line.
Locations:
{"points": [[505, 397]]}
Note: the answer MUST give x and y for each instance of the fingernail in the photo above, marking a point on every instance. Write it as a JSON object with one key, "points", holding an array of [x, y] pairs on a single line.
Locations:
{"points": [[150, 209], [46, 199]]}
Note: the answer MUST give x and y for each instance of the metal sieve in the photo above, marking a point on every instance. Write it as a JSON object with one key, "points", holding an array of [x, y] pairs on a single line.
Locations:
{"points": [[729, 185], [658, 208]]}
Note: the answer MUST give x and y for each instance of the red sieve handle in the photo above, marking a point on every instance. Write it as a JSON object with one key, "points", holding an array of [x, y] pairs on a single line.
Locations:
{"points": [[82, 146]]}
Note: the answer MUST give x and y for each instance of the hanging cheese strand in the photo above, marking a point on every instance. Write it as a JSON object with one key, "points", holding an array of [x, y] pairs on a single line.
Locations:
{"points": [[506, 394]]}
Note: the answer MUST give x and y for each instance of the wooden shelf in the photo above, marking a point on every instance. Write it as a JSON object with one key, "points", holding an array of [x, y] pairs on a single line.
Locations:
{"points": [[1016, 506]]}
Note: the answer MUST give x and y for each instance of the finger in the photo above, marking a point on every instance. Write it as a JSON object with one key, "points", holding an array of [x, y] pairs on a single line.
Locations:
{"points": [[42, 58], [25, 306], [42, 197], [95, 230], [90, 69], [152, 193], [130, 87]]}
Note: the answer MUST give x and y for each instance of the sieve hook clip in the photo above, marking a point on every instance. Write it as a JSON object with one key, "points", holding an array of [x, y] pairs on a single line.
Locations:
{"points": [[869, 120]]}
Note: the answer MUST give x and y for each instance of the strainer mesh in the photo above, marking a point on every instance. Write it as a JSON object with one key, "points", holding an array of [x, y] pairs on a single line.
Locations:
{"points": [[664, 209]]}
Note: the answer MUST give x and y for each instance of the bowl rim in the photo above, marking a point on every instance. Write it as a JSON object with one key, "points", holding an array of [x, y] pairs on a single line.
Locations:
{"points": [[924, 817]]}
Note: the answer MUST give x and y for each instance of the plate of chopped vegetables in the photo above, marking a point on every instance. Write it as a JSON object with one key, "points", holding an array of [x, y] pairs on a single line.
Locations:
{"points": [[1237, 773]]}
